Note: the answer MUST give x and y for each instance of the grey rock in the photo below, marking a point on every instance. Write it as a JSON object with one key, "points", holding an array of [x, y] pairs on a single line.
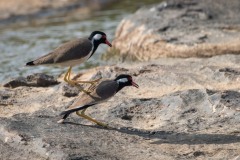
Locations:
{"points": [[180, 28], [70, 91], [183, 109], [189, 123], [19, 81], [5, 97], [41, 135], [35, 80]]}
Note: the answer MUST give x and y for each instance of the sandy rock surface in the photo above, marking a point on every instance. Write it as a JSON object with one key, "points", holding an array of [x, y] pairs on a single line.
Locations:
{"points": [[184, 109], [181, 28]]}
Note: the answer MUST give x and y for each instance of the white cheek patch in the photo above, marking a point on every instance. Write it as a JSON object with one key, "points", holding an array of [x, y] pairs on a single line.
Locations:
{"points": [[122, 80], [97, 36]]}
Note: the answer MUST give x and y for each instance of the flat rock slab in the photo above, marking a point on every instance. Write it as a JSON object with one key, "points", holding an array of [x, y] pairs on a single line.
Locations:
{"points": [[184, 131], [180, 28], [40, 134], [183, 109]]}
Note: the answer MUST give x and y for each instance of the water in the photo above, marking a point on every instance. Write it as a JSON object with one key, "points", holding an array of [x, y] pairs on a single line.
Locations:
{"points": [[22, 44]]}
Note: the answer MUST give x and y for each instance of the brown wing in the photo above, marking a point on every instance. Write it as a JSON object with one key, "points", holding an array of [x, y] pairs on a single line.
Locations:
{"points": [[71, 50], [76, 49], [104, 91]]}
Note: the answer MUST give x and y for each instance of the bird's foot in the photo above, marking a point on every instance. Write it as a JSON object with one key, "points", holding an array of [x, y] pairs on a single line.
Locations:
{"points": [[93, 85], [91, 88], [103, 125], [96, 80], [75, 84]]}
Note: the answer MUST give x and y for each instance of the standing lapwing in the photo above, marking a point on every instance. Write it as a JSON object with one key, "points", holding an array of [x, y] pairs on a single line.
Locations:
{"points": [[72, 53], [104, 91]]}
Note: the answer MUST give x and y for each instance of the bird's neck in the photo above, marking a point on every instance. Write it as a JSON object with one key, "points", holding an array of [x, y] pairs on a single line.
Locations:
{"points": [[120, 86], [94, 47]]}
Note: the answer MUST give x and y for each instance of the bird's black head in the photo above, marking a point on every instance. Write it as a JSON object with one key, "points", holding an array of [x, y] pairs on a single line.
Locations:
{"points": [[125, 80], [98, 37]]}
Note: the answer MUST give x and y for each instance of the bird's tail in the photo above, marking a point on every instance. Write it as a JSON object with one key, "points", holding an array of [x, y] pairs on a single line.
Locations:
{"points": [[67, 112], [31, 63]]}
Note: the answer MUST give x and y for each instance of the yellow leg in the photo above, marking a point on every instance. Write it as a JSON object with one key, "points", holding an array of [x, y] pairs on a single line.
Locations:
{"points": [[91, 87], [90, 119], [67, 75], [68, 80], [73, 83]]}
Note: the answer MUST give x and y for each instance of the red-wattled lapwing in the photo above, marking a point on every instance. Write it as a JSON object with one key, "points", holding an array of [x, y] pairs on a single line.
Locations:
{"points": [[73, 53], [105, 90]]}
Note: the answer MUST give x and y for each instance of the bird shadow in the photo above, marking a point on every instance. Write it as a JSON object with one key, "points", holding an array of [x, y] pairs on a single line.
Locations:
{"points": [[79, 124], [171, 137]]}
